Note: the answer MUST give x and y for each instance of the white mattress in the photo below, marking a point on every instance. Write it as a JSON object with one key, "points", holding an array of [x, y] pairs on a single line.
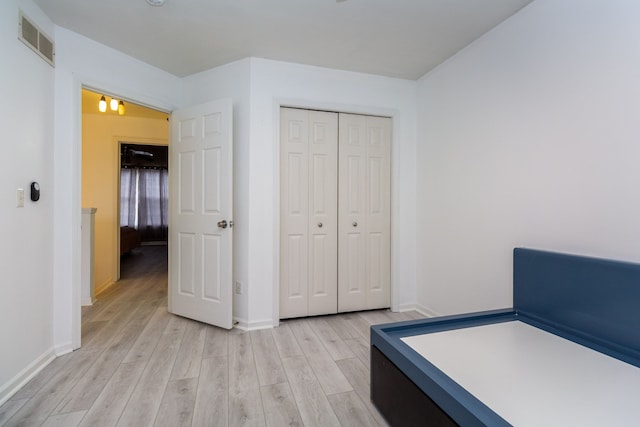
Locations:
{"points": [[533, 378]]}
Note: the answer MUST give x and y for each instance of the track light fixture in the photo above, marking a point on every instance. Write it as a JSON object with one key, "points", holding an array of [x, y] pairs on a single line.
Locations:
{"points": [[102, 105], [114, 105]]}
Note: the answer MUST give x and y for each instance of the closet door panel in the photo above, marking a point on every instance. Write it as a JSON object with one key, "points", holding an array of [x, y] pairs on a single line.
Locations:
{"points": [[353, 226], [308, 197], [322, 222], [353, 263], [364, 211], [294, 213], [351, 213], [295, 296], [378, 153]]}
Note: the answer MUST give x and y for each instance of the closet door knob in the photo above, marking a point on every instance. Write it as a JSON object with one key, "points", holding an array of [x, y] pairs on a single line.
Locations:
{"points": [[222, 224], [355, 224], [319, 225]]}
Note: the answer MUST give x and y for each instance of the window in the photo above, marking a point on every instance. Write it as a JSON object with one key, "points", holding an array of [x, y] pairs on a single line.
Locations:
{"points": [[144, 202]]}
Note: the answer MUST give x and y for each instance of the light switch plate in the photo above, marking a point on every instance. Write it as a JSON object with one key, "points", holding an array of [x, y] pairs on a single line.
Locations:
{"points": [[20, 198]]}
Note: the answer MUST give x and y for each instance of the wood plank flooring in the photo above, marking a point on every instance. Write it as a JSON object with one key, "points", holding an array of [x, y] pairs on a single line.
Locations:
{"points": [[141, 366]]}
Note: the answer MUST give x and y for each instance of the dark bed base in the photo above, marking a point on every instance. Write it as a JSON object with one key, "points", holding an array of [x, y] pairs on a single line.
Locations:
{"points": [[399, 400]]}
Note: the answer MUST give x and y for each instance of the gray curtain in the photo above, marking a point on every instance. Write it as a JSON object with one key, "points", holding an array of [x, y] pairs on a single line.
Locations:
{"points": [[144, 202]]}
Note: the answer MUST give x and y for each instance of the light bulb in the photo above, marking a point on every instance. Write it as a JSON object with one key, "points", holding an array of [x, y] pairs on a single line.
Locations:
{"points": [[102, 105], [114, 104], [121, 108]]}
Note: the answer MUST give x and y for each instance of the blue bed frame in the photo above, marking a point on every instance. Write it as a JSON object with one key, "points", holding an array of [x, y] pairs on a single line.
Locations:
{"points": [[593, 302]]}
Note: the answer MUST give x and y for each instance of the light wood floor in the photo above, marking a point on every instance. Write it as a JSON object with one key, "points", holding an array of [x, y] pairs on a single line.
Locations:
{"points": [[141, 366]]}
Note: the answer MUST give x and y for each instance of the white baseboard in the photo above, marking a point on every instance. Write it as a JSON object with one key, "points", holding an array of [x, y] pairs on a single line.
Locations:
{"points": [[419, 308], [243, 325], [406, 307], [106, 285], [63, 349], [240, 324], [87, 301], [16, 383]]}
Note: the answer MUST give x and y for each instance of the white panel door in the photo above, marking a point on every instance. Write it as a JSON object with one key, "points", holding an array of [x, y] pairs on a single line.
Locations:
{"points": [[200, 237], [364, 216], [308, 212]]}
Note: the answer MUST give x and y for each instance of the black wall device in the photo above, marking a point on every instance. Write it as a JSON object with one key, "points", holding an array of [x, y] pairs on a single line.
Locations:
{"points": [[35, 191]]}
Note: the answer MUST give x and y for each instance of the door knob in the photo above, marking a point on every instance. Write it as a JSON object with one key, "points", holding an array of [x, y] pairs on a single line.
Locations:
{"points": [[355, 224], [319, 225], [222, 224]]}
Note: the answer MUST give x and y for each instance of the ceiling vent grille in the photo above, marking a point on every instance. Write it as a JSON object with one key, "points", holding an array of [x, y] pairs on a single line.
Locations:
{"points": [[31, 35]]}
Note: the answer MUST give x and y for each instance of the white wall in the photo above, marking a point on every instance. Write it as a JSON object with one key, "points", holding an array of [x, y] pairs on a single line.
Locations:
{"points": [[529, 137], [258, 87], [277, 83], [26, 259], [80, 61], [231, 81]]}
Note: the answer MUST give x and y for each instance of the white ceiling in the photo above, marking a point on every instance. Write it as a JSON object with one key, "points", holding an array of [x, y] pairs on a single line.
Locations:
{"points": [[395, 38]]}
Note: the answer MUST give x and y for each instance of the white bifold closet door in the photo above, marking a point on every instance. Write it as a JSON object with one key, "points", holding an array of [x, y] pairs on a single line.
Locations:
{"points": [[308, 212], [334, 212], [364, 225]]}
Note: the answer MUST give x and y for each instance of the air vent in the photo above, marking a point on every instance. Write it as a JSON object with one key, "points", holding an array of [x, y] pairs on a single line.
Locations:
{"points": [[31, 35]]}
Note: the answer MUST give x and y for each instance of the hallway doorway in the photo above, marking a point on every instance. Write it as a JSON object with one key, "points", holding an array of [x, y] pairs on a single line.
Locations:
{"points": [[102, 135]]}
